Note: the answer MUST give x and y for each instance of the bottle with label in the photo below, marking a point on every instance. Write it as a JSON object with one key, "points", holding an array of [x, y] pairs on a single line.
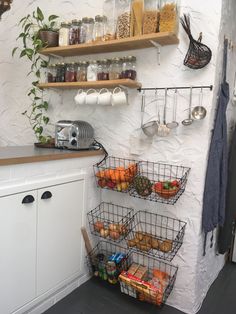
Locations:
{"points": [[111, 272]]}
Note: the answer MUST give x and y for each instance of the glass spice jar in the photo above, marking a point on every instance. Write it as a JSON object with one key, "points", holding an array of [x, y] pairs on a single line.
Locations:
{"points": [[51, 73], [129, 68], [115, 69], [74, 37], [88, 24], [103, 70], [98, 31], [92, 71], [70, 74], [60, 76], [64, 33], [83, 30], [82, 71]]}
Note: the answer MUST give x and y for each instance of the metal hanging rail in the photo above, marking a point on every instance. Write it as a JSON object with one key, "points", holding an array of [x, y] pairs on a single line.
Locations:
{"points": [[174, 88]]}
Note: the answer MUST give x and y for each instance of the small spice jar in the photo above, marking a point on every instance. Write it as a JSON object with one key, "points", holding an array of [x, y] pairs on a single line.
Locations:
{"points": [[70, 73], [103, 70], [60, 76], [82, 71], [129, 68], [51, 73], [83, 30], [74, 38], [115, 69], [98, 31], [64, 33], [88, 25], [92, 71]]}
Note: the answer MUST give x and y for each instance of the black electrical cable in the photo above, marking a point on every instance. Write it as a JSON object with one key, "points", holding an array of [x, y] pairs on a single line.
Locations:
{"points": [[100, 146]]}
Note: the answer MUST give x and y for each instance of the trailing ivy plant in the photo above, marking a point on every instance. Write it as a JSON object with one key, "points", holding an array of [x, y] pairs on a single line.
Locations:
{"points": [[32, 44]]}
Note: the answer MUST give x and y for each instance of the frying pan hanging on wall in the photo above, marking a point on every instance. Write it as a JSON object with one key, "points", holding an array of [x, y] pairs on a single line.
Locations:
{"points": [[198, 55]]}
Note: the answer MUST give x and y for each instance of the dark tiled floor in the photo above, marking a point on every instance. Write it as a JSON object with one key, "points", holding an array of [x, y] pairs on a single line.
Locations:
{"points": [[95, 297]]}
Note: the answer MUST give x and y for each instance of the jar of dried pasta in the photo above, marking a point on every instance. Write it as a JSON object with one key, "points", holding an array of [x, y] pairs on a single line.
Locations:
{"points": [[151, 16], [168, 16]]}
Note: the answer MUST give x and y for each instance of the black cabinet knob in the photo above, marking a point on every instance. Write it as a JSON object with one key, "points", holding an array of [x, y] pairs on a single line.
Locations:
{"points": [[73, 134], [29, 199], [73, 142], [46, 195]]}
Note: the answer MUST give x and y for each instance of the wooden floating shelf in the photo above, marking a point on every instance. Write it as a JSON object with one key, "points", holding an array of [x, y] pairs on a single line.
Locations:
{"points": [[131, 43], [87, 85]]}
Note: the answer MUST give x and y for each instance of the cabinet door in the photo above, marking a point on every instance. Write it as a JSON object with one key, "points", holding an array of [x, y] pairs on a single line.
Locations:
{"points": [[60, 212], [17, 250]]}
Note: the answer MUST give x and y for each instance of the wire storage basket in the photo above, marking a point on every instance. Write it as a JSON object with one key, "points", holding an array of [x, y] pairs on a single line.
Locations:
{"points": [[159, 182], [115, 173], [148, 279], [157, 235], [107, 260], [110, 221]]}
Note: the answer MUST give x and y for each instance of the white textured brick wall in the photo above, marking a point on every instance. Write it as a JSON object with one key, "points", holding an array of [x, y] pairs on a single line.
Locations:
{"points": [[113, 126]]}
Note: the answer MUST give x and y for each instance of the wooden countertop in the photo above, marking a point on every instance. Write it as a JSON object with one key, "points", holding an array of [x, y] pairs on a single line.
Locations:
{"points": [[13, 155]]}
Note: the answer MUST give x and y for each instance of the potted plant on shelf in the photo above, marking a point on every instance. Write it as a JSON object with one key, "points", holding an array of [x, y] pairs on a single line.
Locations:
{"points": [[36, 34]]}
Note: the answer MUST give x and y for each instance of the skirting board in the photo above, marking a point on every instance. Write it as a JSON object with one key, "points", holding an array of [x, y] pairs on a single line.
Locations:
{"points": [[43, 303]]}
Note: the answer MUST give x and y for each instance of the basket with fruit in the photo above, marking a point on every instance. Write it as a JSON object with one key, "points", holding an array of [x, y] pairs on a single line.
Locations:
{"points": [[166, 189]]}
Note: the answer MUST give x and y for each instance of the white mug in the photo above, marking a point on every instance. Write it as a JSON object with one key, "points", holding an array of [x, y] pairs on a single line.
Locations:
{"points": [[119, 97], [91, 97], [104, 97], [80, 97]]}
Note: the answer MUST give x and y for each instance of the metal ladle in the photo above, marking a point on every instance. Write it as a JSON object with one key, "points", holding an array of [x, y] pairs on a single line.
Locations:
{"points": [[163, 130], [189, 120], [199, 112], [174, 124]]}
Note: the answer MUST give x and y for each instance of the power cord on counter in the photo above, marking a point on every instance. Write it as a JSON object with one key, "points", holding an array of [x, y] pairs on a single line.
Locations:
{"points": [[100, 146]]}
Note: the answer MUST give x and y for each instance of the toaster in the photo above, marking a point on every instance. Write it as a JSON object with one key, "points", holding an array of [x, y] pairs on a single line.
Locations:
{"points": [[75, 135]]}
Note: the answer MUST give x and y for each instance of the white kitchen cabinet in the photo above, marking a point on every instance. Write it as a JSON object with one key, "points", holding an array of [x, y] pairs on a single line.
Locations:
{"points": [[17, 250], [60, 213]]}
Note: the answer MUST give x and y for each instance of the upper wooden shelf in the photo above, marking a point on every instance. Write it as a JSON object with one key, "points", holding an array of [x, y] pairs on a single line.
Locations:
{"points": [[97, 84], [131, 43]]}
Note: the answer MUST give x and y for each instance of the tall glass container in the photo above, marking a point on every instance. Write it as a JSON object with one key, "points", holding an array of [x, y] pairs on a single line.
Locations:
{"points": [[137, 14], [110, 19], [89, 30], [64, 33], [98, 31], [115, 69], [151, 16], [169, 16], [123, 10], [74, 38]]}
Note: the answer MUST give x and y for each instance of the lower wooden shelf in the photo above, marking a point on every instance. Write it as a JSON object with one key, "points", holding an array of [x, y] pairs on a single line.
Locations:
{"points": [[87, 85]]}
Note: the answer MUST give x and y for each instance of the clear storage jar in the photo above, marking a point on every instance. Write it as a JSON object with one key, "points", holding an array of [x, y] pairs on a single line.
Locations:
{"points": [[115, 69], [92, 71], [82, 71], [103, 70], [110, 19], [98, 31], [129, 68], [51, 73], [88, 25], [74, 37], [64, 33], [123, 10], [169, 16], [60, 76], [137, 17], [70, 72], [151, 16]]}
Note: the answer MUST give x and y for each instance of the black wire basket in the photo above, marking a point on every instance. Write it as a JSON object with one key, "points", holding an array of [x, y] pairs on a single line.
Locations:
{"points": [[110, 221], [116, 174], [157, 235], [151, 181], [159, 182], [148, 279], [100, 258]]}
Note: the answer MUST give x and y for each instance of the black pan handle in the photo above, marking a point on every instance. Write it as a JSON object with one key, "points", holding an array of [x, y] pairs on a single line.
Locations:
{"points": [[28, 199], [46, 195]]}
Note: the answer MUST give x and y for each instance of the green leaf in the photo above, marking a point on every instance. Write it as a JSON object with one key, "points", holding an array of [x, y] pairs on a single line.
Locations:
{"points": [[37, 73], [38, 116], [23, 53], [14, 51], [45, 103], [35, 83], [23, 19], [40, 14], [45, 120], [27, 27], [21, 35], [53, 17]]}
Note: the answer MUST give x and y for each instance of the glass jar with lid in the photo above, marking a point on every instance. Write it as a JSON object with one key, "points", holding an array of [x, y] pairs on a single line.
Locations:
{"points": [[129, 68], [103, 70], [98, 31], [82, 71], [168, 16], [70, 72], [88, 25], [151, 16], [51, 73], [92, 71], [83, 30], [60, 76], [64, 33], [110, 19], [115, 69], [74, 38]]}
